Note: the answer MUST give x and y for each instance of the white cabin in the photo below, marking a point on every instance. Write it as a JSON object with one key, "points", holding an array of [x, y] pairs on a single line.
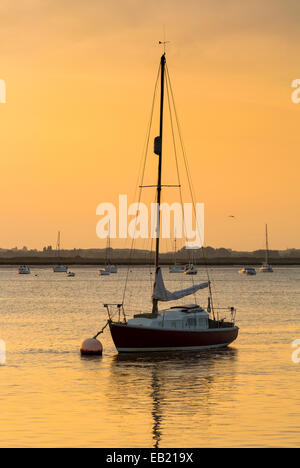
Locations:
{"points": [[190, 317]]}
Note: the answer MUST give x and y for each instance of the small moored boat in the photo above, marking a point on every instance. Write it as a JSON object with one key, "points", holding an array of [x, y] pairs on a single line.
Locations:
{"points": [[24, 270], [176, 268], [111, 268], [250, 271], [266, 267], [59, 268], [190, 270], [103, 272]]}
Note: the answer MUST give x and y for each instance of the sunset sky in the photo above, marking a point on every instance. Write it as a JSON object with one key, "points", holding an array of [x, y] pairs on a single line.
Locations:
{"points": [[80, 76]]}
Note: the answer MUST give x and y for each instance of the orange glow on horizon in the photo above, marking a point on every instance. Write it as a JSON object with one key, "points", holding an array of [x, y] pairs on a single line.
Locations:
{"points": [[79, 88]]}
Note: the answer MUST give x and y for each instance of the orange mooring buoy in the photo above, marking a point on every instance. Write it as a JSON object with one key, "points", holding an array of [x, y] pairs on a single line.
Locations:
{"points": [[91, 347]]}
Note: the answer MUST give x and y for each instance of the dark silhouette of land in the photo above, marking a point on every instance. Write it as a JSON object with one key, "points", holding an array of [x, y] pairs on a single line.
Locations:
{"points": [[209, 256]]}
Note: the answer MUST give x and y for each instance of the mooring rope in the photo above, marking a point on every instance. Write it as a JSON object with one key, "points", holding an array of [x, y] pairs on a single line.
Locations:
{"points": [[101, 331]]}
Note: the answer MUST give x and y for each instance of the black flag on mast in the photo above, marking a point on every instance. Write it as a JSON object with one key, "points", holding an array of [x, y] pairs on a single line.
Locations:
{"points": [[157, 145]]}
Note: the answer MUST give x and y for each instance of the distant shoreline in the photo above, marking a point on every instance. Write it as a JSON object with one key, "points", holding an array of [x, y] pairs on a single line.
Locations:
{"points": [[236, 261]]}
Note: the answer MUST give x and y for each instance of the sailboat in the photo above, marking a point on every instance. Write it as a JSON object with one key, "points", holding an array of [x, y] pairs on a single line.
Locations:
{"points": [[109, 267], [266, 267], [59, 268], [24, 270], [183, 327], [176, 268], [102, 272], [247, 270], [190, 269]]}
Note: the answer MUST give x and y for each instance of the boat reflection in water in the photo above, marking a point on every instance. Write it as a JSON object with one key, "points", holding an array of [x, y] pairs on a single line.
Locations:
{"points": [[178, 391]]}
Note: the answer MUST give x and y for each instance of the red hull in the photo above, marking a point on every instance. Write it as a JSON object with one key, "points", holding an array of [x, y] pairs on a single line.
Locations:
{"points": [[137, 339]]}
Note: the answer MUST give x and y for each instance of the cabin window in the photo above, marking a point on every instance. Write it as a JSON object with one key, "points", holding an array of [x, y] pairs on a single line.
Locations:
{"points": [[202, 322], [190, 322]]}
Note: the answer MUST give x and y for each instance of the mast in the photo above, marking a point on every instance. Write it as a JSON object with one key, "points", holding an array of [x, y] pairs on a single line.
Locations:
{"points": [[175, 250], [158, 151], [58, 244], [267, 246], [107, 255]]}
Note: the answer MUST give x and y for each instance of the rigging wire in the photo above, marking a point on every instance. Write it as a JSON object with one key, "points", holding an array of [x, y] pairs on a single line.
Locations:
{"points": [[146, 147], [191, 187], [177, 163], [171, 103]]}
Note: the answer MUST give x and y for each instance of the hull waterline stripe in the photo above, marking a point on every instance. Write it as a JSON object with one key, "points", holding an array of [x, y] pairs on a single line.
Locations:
{"points": [[184, 348]]}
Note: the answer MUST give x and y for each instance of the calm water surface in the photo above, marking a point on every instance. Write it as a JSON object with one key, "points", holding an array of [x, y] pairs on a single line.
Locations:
{"points": [[247, 395]]}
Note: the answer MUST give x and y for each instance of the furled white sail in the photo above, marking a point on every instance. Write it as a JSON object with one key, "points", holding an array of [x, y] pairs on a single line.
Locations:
{"points": [[162, 294]]}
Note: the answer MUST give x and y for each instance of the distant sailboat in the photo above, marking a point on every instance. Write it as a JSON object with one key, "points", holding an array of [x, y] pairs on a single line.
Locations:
{"points": [[249, 271], [108, 264], [103, 273], [266, 267], [24, 270], [176, 268], [190, 269], [109, 267], [59, 268]]}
